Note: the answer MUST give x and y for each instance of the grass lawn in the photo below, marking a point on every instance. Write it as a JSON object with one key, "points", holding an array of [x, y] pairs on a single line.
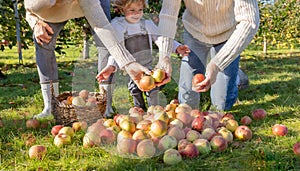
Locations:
{"points": [[274, 86]]}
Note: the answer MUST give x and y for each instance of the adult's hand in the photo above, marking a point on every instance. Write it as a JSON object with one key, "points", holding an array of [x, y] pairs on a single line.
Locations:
{"points": [[165, 64], [136, 72], [212, 71], [42, 32], [105, 73]]}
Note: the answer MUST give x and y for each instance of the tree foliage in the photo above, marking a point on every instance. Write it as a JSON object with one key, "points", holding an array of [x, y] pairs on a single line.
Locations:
{"points": [[279, 24]]}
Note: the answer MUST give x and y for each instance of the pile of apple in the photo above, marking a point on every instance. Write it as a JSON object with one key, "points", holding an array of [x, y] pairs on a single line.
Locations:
{"points": [[148, 82], [176, 130], [83, 99]]}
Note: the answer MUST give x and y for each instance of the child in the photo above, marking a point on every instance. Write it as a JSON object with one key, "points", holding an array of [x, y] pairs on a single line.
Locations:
{"points": [[137, 35]]}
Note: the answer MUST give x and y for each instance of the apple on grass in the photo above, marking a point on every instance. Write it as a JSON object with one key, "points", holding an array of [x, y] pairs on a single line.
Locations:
{"points": [[279, 130], [189, 151], [32, 124], [218, 143], [67, 130], [243, 133], [37, 152], [296, 149], [146, 148], [172, 156], [259, 114], [246, 120], [62, 139], [202, 145], [55, 129]]}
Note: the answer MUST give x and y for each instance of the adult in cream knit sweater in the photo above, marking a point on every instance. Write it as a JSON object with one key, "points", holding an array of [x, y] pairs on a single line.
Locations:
{"points": [[228, 26], [47, 18]]}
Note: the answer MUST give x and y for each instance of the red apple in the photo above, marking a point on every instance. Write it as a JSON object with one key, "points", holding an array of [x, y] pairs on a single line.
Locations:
{"points": [[279, 130], [296, 149], [243, 133], [259, 114], [218, 143], [190, 151], [55, 129], [246, 120], [198, 78], [37, 152], [107, 136], [198, 123]]}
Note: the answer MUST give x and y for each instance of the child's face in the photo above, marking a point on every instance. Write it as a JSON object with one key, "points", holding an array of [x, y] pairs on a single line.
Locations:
{"points": [[134, 12]]}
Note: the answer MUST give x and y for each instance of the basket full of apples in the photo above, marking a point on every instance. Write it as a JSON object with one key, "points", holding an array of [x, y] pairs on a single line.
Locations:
{"points": [[69, 107]]}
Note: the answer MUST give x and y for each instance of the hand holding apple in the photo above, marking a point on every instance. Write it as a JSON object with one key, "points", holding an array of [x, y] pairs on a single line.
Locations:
{"points": [[165, 64], [183, 50]]}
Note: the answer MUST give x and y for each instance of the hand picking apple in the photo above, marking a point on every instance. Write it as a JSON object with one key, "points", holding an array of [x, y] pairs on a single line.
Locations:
{"points": [[197, 79], [212, 71], [105, 73], [165, 65], [183, 50]]}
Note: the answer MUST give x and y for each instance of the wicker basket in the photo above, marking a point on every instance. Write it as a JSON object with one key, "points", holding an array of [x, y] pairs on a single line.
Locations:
{"points": [[67, 114]]}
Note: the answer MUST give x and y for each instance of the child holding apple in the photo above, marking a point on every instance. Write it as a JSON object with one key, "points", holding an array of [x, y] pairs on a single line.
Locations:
{"points": [[137, 35]]}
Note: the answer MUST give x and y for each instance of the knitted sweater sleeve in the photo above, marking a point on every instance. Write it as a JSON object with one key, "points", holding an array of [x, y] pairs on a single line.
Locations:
{"points": [[107, 34], [247, 17], [167, 26]]}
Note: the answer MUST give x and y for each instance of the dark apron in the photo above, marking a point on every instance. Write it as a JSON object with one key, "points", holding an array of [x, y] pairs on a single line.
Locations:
{"points": [[139, 46]]}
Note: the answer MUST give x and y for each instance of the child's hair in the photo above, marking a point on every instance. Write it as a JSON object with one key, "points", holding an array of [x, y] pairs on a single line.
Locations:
{"points": [[125, 3]]}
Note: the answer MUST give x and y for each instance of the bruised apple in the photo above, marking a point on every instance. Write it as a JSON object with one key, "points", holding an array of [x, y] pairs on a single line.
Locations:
{"points": [[37, 152], [147, 83], [159, 75]]}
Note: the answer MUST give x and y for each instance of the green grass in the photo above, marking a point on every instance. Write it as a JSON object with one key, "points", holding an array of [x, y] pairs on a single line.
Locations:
{"points": [[274, 86]]}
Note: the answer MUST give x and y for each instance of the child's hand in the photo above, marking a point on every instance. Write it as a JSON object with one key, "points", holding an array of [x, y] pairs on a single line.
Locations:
{"points": [[183, 50], [105, 73]]}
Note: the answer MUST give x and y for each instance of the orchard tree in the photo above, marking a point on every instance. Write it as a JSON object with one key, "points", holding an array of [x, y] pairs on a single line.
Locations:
{"points": [[279, 25]]}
